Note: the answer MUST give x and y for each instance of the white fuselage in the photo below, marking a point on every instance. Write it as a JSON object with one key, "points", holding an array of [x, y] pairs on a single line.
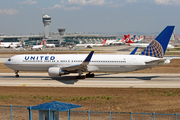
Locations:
{"points": [[37, 47], [89, 45], [98, 63], [143, 45], [113, 42], [10, 44], [50, 45]]}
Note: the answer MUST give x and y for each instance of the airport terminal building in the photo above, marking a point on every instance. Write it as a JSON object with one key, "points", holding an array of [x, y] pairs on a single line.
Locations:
{"points": [[60, 38]]}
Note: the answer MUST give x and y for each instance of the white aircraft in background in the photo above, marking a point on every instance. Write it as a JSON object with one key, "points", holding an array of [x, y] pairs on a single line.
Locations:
{"points": [[38, 47], [61, 64], [114, 42], [140, 45], [92, 45], [110, 42], [138, 39], [49, 45], [10, 44]]}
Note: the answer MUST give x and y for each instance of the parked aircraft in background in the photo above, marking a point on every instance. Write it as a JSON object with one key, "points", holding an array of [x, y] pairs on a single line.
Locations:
{"points": [[140, 45], [38, 47], [10, 44], [61, 64], [49, 45], [92, 45], [110, 42], [139, 39], [114, 42]]}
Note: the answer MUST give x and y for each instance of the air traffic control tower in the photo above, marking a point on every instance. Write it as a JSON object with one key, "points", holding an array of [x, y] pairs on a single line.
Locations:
{"points": [[46, 21]]}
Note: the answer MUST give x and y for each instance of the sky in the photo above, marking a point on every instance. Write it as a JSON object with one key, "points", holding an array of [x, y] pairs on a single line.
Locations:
{"points": [[24, 17]]}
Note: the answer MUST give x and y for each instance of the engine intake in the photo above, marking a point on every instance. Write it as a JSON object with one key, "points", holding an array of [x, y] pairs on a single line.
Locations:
{"points": [[56, 71]]}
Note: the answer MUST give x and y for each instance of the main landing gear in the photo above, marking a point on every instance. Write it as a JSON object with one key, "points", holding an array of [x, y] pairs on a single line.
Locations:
{"points": [[89, 75], [16, 72], [80, 75]]}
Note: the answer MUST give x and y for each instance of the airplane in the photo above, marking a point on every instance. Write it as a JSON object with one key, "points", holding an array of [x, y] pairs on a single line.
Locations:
{"points": [[140, 38], [10, 44], [49, 45], [38, 47], [141, 45], [114, 42], [91, 45], [110, 42], [61, 64]]}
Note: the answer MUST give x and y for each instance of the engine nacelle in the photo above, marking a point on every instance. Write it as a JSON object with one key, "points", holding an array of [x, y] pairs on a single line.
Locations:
{"points": [[56, 71]]}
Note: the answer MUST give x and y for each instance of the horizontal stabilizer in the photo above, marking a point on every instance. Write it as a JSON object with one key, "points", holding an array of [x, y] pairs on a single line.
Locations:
{"points": [[160, 61]]}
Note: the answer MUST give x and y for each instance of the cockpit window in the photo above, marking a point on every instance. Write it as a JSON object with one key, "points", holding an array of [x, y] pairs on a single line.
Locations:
{"points": [[9, 59]]}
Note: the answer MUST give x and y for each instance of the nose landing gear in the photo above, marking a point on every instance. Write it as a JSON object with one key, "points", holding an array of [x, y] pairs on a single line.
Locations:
{"points": [[16, 72]]}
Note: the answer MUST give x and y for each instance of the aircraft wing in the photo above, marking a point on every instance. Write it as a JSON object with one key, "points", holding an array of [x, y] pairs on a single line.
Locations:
{"points": [[81, 67]]}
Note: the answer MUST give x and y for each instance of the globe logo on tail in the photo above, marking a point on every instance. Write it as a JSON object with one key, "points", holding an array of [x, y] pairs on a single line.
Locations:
{"points": [[154, 49]]}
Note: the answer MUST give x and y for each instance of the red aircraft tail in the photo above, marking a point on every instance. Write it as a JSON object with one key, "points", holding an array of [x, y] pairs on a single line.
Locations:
{"points": [[45, 42], [127, 39], [42, 42], [104, 42]]}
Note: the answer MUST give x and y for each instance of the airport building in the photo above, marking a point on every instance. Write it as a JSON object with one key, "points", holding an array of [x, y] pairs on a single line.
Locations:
{"points": [[60, 38]]}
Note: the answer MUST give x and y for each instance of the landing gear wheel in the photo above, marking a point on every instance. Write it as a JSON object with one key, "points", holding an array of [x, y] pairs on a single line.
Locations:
{"points": [[17, 76], [16, 72], [80, 77], [89, 75]]}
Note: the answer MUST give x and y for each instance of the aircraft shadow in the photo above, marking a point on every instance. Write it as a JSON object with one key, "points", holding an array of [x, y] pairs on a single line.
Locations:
{"points": [[125, 49], [132, 77], [64, 79], [68, 79]]}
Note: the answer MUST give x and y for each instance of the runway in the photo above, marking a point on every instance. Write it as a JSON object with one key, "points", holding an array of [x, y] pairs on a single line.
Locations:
{"points": [[122, 80]]}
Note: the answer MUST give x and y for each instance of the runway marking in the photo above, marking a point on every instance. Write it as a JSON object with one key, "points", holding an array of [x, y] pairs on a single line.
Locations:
{"points": [[23, 85]]}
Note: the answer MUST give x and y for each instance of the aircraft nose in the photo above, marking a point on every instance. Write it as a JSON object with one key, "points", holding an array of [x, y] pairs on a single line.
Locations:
{"points": [[6, 63]]}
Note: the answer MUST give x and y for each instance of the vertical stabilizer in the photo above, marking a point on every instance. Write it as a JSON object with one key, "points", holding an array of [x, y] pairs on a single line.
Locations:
{"points": [[45, 42], [104, 42], [127, 39], [158, 46], [42, 42]]}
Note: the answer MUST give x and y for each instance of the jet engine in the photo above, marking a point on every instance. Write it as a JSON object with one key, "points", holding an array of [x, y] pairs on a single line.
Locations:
{"points": [[56, 71]]}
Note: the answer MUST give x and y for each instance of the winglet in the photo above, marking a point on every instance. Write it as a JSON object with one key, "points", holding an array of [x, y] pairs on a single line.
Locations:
{"points": [[88, 58], [134, 51]]}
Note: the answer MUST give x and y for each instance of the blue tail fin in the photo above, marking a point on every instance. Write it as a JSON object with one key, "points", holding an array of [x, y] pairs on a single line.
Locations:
{"points": [[158, 46]]}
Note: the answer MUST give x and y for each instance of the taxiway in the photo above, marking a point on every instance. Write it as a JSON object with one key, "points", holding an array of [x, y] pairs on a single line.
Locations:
{"points": [[122, 80]]}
